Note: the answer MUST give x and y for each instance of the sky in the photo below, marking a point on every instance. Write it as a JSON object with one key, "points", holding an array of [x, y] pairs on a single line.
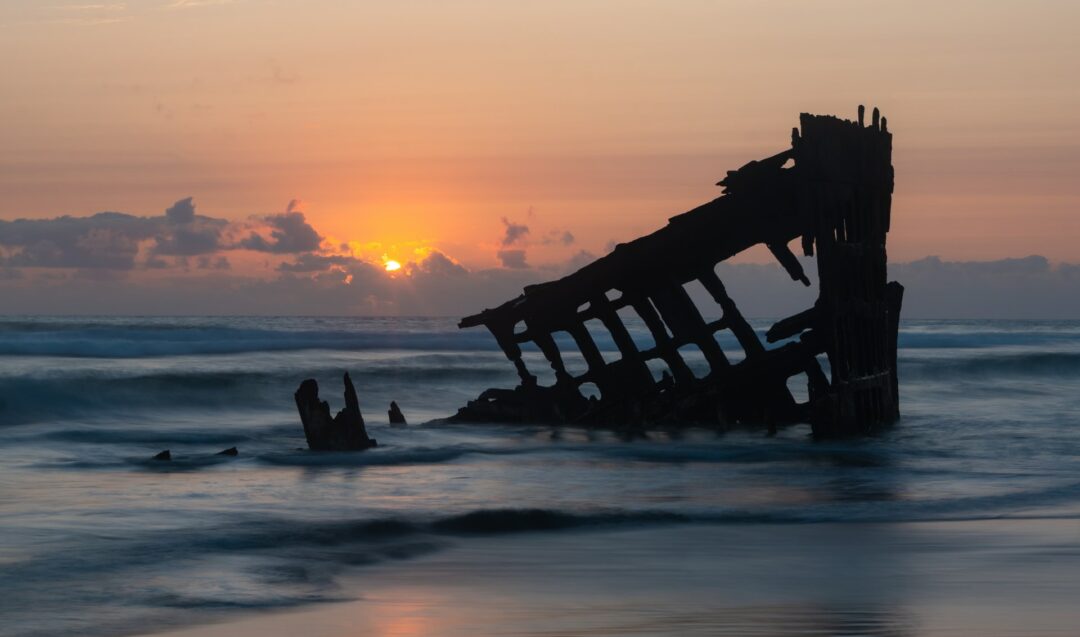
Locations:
{"points": [[262, 155]]}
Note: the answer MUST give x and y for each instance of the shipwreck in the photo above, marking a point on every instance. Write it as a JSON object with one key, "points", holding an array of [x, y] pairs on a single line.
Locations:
{"points": [[832, 190]]}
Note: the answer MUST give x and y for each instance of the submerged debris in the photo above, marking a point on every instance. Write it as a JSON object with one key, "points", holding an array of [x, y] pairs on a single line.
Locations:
{"points": [[344, 432], [832, 190]]}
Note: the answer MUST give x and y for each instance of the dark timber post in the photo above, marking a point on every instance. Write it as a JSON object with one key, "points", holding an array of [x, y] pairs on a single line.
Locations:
{"points": [[845, 180]]}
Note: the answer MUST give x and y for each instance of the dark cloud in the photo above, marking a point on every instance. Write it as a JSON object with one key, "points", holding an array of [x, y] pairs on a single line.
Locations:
{"points": [[559, 237], [438, 264], [182, 211], [320, 284], [333, 270], [79, 264], [190, 241], [1033, 264], [212, 263], [105, 240], [290, 233], [513, 232], [1028, 287], [434, 265], [580, 260], [186, 234], [109, 240], [514, 259], [93, 276], [309, 262], [517, 235], [1069, 270], [362, 289]]}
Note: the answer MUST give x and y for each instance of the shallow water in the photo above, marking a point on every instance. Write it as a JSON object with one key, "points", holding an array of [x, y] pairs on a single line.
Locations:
{"points": [[976, 490]]}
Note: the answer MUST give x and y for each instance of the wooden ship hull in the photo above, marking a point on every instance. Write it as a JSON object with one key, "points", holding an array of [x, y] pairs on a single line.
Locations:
{"points": [[832, 190]]}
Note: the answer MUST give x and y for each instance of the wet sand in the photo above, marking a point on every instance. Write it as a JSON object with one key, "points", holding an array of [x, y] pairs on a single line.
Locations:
{"points": [[979, 577]]}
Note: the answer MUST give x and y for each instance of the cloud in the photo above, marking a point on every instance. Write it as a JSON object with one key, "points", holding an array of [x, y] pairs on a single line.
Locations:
{"points": [[290, 233], [512, 259], [1028, 287], [119, 241], [434, 266], [1012, 267], [310, 262], [188, 234], [80, 264], [211, 263], [516, 238], [342, 284], [437, 264], [1069, 270], [155, 263], [189, 242], [109, 240], [1015, 288], [559, 237], [580, 260], [105, 240], [437, 285], [182, 211], [514, 232]]}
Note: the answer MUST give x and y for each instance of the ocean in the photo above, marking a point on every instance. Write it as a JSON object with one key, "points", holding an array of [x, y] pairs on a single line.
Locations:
{"points": [[963, 518]]}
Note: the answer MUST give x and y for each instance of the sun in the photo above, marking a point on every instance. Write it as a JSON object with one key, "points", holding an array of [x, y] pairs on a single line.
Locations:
{"points": [[392, 265]]}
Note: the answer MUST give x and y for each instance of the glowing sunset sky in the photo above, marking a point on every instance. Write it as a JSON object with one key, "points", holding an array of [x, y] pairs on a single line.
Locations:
{"points": [[405, 126]]}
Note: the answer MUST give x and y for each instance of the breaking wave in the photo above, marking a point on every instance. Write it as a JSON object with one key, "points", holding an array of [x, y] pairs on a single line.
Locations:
{"points": [[137, 342], [292, 537], [1005, 364], [268, 385]]}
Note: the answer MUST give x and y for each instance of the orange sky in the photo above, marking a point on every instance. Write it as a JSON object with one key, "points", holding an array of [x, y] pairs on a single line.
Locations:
{"points": [[421, 124]]}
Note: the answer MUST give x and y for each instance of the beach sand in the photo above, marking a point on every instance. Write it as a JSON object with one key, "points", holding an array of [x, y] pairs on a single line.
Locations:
{"points": [[979, 577]]}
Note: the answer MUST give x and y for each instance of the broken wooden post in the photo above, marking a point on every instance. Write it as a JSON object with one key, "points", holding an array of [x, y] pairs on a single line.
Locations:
{"points": [[344, 432], [395, 415]]}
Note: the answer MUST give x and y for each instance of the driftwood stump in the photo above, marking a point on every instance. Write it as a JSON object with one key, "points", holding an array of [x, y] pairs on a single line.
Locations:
{"points": [[344, 432]]}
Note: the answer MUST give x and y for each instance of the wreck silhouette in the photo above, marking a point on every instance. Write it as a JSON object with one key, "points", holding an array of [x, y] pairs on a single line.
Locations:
{"points": [[833, 189]]}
